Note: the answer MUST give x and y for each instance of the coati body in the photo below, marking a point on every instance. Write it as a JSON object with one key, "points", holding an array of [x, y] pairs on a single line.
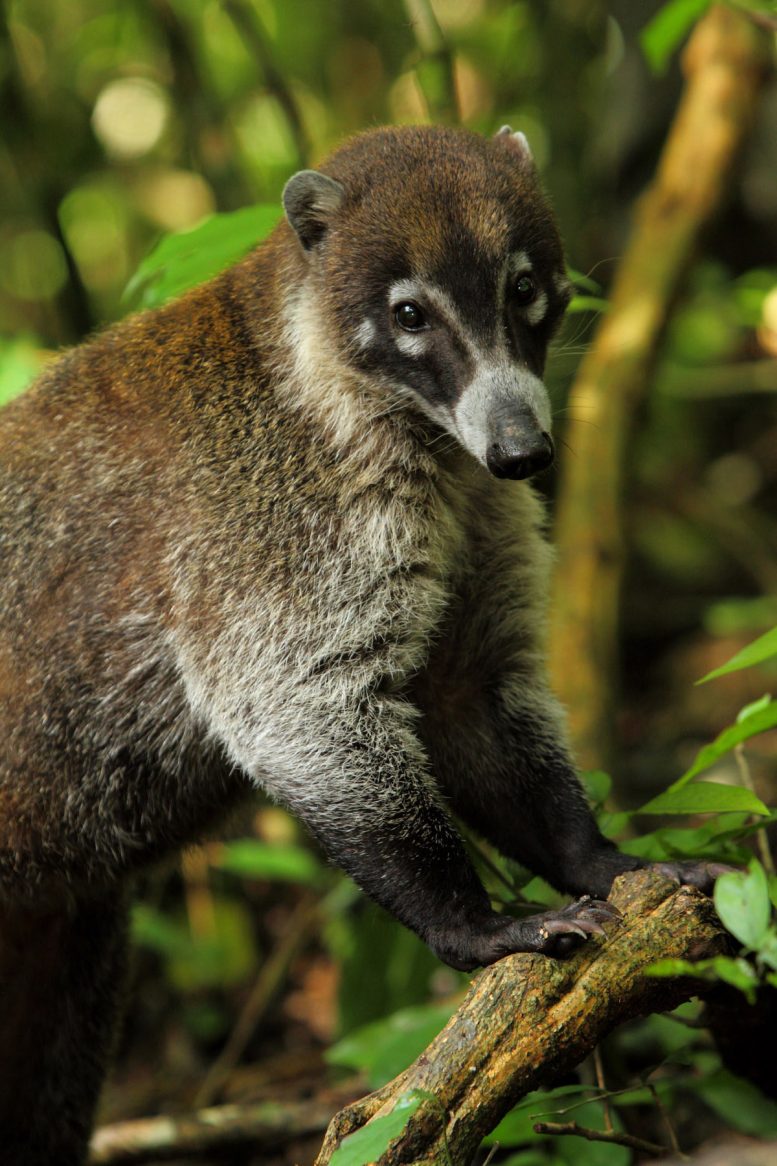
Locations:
{"points": [[262, 536]]}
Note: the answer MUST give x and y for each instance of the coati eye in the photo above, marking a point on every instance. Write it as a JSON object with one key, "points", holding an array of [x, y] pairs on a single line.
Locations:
{"points": [[410, 317], [524, 290]]}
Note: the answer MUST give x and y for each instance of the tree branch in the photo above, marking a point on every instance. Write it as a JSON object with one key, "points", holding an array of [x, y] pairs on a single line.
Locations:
{"points": [[528, 1019], [263, 1126]]}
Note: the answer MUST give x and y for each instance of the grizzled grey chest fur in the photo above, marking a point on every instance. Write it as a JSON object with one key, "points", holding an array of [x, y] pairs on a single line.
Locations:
{"points": [[263, 536]]}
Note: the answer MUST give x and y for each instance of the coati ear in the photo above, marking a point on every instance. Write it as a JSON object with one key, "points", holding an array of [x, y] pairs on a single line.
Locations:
{"points": [[517, 142], [310, 199]]}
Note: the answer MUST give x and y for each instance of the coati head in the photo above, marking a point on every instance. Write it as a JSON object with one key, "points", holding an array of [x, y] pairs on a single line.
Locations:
{"points": [[435, 260]]}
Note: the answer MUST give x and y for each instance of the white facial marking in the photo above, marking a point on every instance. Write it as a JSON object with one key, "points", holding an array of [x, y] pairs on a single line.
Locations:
{"points": [[365, 333], [423, 293], [562, 283], [535, 311], [412, 343], [519, 263]]}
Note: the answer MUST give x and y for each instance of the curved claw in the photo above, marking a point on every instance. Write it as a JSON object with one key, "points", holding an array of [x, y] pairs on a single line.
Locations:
{"points": [[597, 909], [559, 932], [552, 933]]}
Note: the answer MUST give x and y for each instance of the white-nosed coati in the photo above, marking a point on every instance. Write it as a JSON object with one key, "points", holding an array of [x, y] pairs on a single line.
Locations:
{"points": [[262, 536]]}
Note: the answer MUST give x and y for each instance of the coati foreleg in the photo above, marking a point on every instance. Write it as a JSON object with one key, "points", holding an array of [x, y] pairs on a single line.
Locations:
{"points": [[494, 731], [384, 823]]}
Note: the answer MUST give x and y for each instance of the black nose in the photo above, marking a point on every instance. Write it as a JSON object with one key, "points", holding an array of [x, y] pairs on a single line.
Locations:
{"points": [[520, 457]]}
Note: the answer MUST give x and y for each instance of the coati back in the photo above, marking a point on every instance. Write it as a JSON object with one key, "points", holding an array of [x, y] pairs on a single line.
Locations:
{"points": [[259, 537]]}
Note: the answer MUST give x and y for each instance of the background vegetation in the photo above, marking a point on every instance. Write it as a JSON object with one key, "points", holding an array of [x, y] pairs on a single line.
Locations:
{"points": [[125, 120]]}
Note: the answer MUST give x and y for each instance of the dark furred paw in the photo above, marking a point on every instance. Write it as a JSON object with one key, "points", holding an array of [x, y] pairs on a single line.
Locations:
{"points": [[553, 933], [557, 933], [693, 874]]}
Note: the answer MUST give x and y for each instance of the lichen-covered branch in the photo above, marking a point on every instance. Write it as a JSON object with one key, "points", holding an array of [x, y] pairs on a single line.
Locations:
{"points": [[725, 64], [527, 1019]]}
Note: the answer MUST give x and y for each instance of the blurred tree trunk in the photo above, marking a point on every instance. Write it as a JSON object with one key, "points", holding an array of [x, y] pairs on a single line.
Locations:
{"points": [[725, 65]]}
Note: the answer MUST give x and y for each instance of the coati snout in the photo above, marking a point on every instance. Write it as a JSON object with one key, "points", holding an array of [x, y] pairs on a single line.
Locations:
{"points": [[519, 448], [443, 277]]}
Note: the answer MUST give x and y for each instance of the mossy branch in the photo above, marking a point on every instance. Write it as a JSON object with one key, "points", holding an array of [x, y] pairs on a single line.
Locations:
{"points": [[528, 1019]]}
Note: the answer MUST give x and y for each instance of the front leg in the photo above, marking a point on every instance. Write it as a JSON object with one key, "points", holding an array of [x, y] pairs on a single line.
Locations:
{"points": [[371, 803], [495, 734]]}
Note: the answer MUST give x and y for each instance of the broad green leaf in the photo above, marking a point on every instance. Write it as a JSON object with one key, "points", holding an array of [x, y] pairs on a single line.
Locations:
{"points": [[517, 1126], [738, 973], [705, 797], [755, 706], [740, 1104], [767, 949], [227, 956], [386, 1047], [576, 1152], [734, 971], [261, 860], [663, 34], [588, 304], [384, 969], [158, 932], [772, 880], [181, 261], [761, 649], [579, 279], [742, 902], [370, 1142], [667, 968], [765, 717], [531, 1158], [597, 785]]}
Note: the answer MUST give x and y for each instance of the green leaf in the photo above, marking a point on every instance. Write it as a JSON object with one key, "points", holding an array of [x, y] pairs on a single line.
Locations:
{"points": [[705, 797], [227, 956], [181, 261], [761, 649], [734, 971], [386, 1047], [740, 1104], [713, 838], [742, 902], [767, 949], [764, 717], [667, 968], [261, 860], [663, 34], [576, 1152], [517, 1126], [738, 973], [588, 304], [597, 785], [579, 279], [755, 706], [370, 1142]]}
